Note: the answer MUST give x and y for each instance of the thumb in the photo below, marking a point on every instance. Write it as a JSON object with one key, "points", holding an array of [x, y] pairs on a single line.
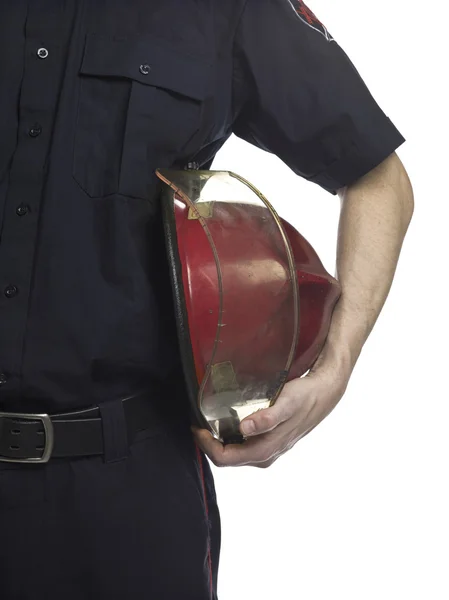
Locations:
{"points": [[283, 409]]}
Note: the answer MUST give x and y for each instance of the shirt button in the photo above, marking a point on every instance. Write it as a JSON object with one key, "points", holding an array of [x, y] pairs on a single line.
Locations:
{"points": [[35, 130], [22, 209], [11, 291], [42, 53], [3, 379], [144, 69]]}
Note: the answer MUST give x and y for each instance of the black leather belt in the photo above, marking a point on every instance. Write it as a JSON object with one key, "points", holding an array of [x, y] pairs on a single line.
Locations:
{"points": [[35, 438]]}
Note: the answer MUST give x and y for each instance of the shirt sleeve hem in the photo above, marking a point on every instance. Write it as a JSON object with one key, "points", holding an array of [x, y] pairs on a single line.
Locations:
{"points": [[356, 164]]}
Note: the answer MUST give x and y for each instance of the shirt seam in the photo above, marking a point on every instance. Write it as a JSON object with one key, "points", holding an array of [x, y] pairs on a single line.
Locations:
{"points": [[233, 70]]}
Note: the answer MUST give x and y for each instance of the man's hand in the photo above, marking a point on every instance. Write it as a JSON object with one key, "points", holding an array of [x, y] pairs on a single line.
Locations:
{"points": [[303, 404], [375, 213]]}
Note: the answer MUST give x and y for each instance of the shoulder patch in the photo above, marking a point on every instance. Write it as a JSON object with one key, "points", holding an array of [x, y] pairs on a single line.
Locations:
{"points": [[308, 17]]}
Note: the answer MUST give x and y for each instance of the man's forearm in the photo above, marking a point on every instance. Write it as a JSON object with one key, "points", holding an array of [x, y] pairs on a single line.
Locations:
{"points": [[375, 214]]}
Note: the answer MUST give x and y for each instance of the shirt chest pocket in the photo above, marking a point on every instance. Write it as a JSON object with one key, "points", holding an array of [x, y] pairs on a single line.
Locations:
{"points": [[140, 106]]}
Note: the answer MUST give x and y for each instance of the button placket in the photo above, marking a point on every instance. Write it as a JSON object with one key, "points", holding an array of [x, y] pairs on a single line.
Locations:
{"points": [[45, 37]]}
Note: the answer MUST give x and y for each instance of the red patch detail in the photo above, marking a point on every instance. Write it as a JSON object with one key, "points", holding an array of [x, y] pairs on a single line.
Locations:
{"points": [[308, 15]]}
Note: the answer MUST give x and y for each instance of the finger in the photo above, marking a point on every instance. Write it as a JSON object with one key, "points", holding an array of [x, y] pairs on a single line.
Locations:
{"points": [[267, 419], [264, 465], [254, 450], [251, 452], [208, 444], [220, 455], [213, 448]]}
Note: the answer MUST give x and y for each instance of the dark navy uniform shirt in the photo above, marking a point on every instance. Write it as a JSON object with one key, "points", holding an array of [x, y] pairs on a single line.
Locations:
{"points": [[94, 96]]}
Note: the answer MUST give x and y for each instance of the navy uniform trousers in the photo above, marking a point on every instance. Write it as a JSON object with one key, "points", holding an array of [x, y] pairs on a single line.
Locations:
{"points": [[145, 526]]}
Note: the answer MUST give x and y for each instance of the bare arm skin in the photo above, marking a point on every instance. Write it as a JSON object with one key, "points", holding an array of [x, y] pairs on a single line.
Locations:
{"points": [[375, 215]]}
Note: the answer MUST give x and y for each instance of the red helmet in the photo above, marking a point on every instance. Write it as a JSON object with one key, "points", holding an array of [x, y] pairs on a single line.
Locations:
{"points": [[253, 300]]}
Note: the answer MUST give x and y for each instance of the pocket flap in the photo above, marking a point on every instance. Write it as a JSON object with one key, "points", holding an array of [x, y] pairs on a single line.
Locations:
{"points": [[169, 67]]}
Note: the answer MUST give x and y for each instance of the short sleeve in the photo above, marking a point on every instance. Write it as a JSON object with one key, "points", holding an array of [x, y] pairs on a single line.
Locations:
{"points": [[297, 95]]}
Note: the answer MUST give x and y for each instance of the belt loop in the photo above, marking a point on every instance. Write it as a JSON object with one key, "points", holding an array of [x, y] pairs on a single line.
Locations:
{"points": [[115, 434]]}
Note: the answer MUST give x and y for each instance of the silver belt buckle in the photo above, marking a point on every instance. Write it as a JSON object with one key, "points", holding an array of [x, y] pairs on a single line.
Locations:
{"points": [[48, 432]]}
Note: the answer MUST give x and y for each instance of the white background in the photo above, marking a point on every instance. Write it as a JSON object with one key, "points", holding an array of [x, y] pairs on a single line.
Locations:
{"points": [[358, 510]]}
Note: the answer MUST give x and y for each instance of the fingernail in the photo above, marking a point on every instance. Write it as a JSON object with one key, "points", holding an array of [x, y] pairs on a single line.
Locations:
{"points": [[248, 427]]}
